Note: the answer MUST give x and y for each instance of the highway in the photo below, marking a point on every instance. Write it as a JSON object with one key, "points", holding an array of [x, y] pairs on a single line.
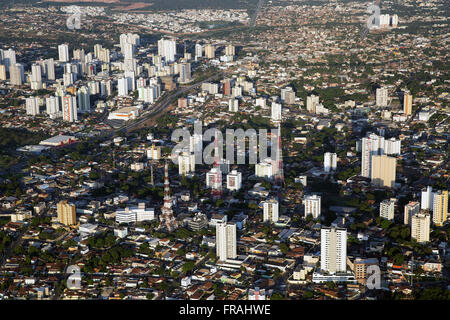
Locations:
{"points": [[160, 106]]}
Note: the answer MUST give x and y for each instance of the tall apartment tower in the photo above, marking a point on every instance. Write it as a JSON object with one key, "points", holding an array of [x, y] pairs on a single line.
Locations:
{"points": [[66, 213], [50, 66], [2, 72], [226, 247], [276, 111], [69, 108], [381, 97], [311, 102], [329, 161], [84, 100], [411, 209], [407, 103], [186, 163], [16, 74], [312, 205], [63, 53], [440, 207], [370, 146], [420, 227], [167, 49], [32, 106], [387, 208], [426, 202], [383, 171], [210, 51], [270, 210], [333, 250], [234, 180], [198, 50]]}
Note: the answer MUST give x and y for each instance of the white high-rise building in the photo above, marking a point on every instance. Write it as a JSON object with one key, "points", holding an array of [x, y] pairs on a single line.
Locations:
{"points": [[2, 72], [381, 97], [9, 58], [186, 163], [198, 50], [387, 209], [122, 87], [233, 105], [426, 202], [36, 76], [370, 146], [394, 20], [392, 146], [265, 169], [333, 250], [329, 162], [311, 102], [84, 100], [270, 210], [226, 247], [411, 209], [234, 180], [16, 74], [312, 205], [69, 108], [276, 111], [50, 66], [420, 227], [211, 181], [167, 49], [52, 105], [185, 73], [32, 105], [63, 53]]}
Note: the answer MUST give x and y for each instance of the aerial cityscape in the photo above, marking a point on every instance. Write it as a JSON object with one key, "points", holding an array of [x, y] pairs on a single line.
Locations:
{"points": [[240, 150]]}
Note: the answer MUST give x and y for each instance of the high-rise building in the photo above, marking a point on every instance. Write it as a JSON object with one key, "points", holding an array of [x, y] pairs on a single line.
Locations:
{"points": [[276, 111], [270, 210], [387, 208], [32, 105], [69, 108], [63, 53], [370, 146], [2, 72], [36, 77], [9, 59], [381, 97], [329, 162], [383, 171], [234, 180], [50, 66], [198, 50], [226, 247], [214, 178], [122, 87], [312, 205], [333, 250], [394, 21], [52, 105], [440, 207], [311, 102], [185, 73], [426, 202], [167, 49], [230, 50], [66, 213], [411, 209], [186, 163], [265, 169], [233, 105], [420, 227], [16, 74], [407, 103], [210, 51], [392, 146], [84, 100], [288, 95]]}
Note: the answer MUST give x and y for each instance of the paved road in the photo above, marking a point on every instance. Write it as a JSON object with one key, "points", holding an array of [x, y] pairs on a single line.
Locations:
{"points": [[160, 107]]}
